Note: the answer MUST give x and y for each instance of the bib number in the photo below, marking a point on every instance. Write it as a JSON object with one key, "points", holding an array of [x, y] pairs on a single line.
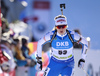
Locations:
{"points": [[60, 52]]}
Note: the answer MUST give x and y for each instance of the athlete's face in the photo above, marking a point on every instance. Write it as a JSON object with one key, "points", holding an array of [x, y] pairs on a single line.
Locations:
{"points": [[61, 29]]}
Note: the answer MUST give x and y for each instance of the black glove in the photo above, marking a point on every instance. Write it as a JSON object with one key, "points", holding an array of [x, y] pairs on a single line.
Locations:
{"points": [[81, 63], [39, 63]]}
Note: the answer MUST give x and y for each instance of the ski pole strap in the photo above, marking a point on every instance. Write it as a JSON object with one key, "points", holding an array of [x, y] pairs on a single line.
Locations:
{"points": [[38, 58], [55, 33], [70, 37]]}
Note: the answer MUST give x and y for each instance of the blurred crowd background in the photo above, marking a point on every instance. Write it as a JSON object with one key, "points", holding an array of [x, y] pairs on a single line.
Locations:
{"points": [[24, 22]]}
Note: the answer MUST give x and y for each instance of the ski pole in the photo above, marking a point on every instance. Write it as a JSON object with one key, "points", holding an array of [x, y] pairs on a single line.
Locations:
{"points": [[85, 72]]}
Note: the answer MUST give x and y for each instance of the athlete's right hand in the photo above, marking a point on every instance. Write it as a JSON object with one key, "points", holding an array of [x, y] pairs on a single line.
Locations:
{"points": [[39, 63]]}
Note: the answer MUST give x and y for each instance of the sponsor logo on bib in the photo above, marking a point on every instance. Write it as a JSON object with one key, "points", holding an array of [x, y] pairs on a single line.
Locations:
{"points": [[62, 43]]}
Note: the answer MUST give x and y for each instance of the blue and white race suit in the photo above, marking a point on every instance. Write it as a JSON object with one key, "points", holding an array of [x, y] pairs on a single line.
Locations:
{"points": [[62, 58]]}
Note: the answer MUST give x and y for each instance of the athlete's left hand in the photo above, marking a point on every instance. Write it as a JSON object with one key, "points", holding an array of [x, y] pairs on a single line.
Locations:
{"points": [[81, 63]]}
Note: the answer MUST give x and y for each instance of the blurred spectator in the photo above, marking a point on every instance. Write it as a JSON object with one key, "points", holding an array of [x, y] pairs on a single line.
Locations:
{"points": [[19, 27], [18, 51], [23, 63], [25, 51], [9, 65], [4, 8], [8, 8], [5, 27], [19, 55], [77, 45], [25, 48], [20, 59]]}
